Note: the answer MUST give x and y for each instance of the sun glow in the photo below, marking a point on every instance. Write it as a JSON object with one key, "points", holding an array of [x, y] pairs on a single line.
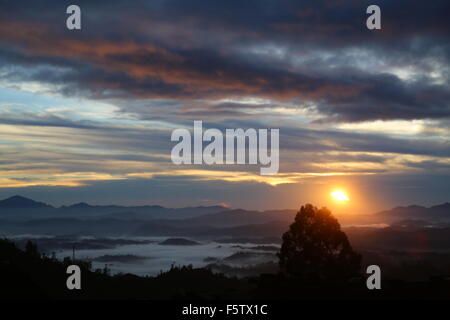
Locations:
{"points": [[340, 196]]}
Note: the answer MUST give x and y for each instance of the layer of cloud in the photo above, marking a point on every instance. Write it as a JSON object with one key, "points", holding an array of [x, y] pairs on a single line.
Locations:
{"points": [[315, 53], [93, 109]]}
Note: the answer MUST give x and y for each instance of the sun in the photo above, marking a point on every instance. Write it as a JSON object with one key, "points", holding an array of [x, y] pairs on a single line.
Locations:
{"points": [[340, 196]]}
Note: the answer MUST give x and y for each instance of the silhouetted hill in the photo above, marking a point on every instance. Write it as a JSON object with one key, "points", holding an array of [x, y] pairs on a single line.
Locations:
{"points": [[394, 238], [21, 215], [22, 202], [438, 212], [29, 275], [23, 208], [238, 217], [80, 205], [178, 242], [136, 212], [441, 208], [257, 230]]}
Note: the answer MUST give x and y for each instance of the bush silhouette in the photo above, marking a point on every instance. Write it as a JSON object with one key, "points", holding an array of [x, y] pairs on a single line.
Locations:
{"points": [[314, 248]]}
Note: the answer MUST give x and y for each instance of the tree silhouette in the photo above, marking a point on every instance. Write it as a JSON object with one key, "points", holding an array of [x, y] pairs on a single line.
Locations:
{"points": [[314, 248], [32, 249]]}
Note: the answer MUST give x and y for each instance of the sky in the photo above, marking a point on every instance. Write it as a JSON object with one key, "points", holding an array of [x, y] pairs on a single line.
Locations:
{"points": [[87, 115]]}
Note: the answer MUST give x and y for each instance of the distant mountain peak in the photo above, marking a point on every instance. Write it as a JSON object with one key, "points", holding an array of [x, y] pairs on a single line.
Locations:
{"points": [[154, 206], [412, 206], [441, 211], [445, 205], [80, 205], [18, 201]]}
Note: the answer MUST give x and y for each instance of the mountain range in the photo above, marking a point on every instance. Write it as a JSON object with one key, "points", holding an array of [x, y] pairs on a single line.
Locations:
{"points": [[19, 207], [20, 215], [438, 212], [200, 214], [21, 202]]}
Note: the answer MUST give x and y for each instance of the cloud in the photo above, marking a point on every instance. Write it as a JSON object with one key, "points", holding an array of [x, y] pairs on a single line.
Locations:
{"points": [[218, 55], [349, 102]]}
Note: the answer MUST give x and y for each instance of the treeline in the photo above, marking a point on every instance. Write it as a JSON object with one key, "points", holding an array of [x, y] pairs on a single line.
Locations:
{"points": [[27, 274]]}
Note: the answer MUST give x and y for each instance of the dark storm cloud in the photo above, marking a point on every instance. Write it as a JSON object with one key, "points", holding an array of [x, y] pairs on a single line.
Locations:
{"points": [[189, 50]]}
